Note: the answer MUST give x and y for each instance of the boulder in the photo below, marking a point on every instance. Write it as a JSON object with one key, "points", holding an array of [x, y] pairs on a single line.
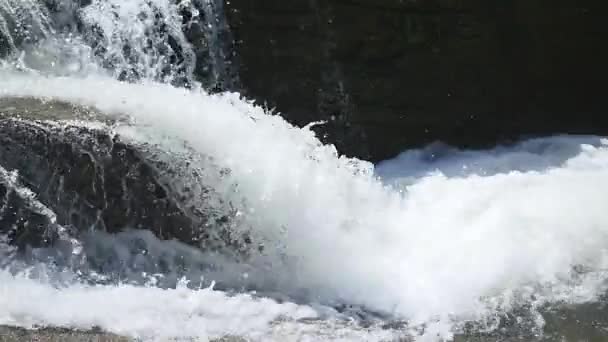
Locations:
{"points": [[81, 176]]}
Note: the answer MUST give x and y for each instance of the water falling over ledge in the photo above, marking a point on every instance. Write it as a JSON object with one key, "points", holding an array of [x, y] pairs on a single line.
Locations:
{"points": [[446, 243]]}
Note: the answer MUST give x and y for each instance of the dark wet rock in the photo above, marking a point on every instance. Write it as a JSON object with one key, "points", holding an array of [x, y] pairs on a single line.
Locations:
{"points": [[13, 334], [89, 178], [104, 185], [392, 74], [212, 42], [48, 334], [23, 221], [4, 45]]}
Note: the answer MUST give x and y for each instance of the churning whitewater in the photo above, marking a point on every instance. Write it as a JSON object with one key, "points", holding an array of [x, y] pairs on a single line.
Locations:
{"points": [[438, 251], [425, 245]]}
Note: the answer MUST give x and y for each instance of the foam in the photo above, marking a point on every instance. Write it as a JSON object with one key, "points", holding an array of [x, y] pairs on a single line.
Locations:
{"points": [[441, 248]]}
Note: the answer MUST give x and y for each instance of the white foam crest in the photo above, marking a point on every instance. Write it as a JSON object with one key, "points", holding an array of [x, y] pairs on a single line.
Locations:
{"points": [[439, 249], [537, 154], [154, 314], [150, 307]]}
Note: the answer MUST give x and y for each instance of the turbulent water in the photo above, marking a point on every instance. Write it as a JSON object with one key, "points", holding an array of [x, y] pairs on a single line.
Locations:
{"points": [[434, 243]]}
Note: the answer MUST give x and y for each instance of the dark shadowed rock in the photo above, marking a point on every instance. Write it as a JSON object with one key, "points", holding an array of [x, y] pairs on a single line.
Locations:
{"points": [[391, 74], [85, 177], [104, 185], [23, 220], [4, 45], [12, 334]]}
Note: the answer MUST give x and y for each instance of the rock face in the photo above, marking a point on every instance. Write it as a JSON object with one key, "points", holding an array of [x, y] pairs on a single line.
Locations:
{"points": [[392, 74], [58, 177], [104, 185]]}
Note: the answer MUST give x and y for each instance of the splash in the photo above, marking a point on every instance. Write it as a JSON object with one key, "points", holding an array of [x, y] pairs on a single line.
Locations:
{"points": [[438, 238], [439, 251], [154, 314]]}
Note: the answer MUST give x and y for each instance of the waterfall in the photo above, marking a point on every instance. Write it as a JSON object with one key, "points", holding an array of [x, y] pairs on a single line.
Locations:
{"points": [[181, 42], [219, 64], [22, 22], [176, 211]]}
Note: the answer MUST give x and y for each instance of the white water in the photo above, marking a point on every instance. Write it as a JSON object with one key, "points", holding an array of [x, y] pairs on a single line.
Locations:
{"points": [[447, 236], [153, 314], [442, 249], [136, 39], [136, 25], [29, 16]]}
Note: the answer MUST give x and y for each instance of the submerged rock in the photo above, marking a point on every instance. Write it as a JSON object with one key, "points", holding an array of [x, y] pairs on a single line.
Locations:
{"points": [[82, 176], [23, 220], [13, 334]]}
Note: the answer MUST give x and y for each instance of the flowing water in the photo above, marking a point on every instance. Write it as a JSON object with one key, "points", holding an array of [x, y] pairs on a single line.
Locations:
{"points": [[438, 244]]}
